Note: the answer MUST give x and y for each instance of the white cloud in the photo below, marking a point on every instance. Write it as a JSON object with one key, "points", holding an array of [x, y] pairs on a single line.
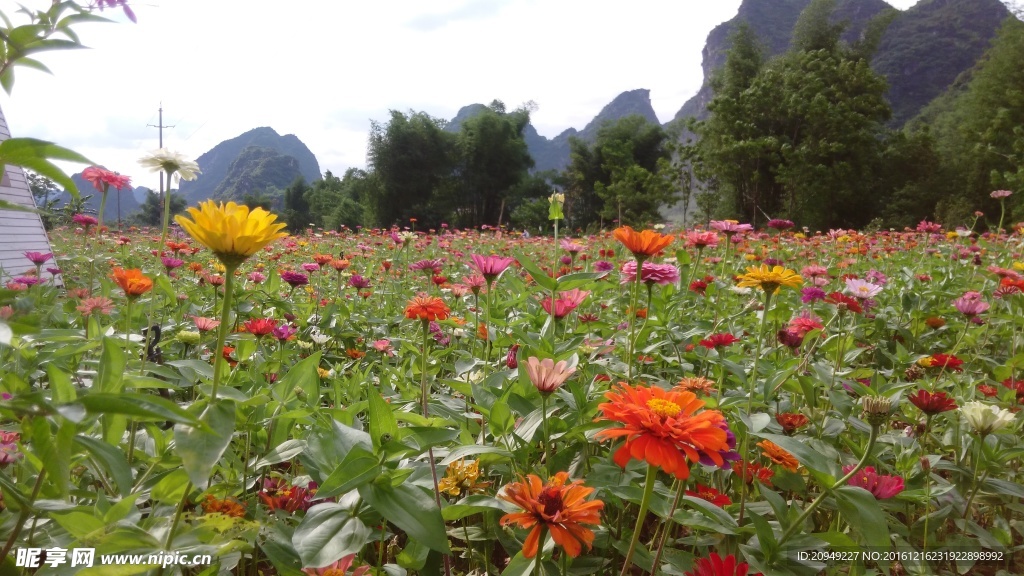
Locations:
{"points": [[323, 69]]}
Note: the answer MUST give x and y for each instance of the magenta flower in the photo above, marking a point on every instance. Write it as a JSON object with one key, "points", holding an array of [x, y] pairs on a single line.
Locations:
{"points": [[294, 278], [310, 266], [970, 305], [84, 220], [358, 282], [9, 452], [603, 266], [430, 266], [38, 258], [780, 224], [283, 332], [730, 227], [491, 266], [171, 263], [651, 273], [256, 277], [881, 486], [929, 227]]}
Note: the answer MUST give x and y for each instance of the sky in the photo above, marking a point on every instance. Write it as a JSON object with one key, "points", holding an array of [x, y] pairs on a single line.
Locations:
{"points": [[322, 70]]}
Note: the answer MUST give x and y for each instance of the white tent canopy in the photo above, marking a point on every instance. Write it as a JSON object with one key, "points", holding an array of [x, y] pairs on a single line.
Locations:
{"points": [[20, 232]]}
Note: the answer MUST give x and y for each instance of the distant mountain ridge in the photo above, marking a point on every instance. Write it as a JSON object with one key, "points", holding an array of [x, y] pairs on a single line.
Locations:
{"points": [[218, 162]]}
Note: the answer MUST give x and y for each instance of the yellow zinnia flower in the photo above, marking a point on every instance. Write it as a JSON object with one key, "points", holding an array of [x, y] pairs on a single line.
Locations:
{"points": [[770, 279], [232, 231]]}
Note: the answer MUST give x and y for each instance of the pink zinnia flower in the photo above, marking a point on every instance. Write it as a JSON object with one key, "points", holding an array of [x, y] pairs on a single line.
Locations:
{"points": [[475, 282], [38, 258], [358, 282], [881, 486], [546, 375], [384, 347], [701, 239], [96, 305], [283, 332], [102, 179], [570, 246], [84, 220], [970, 304], [651, 273], [813, 270], [433, 265], [256, 277], [491, 266], [730, 227], [204, 324], [294, 278], [862, 288], [1000, 194], [310, 266]]}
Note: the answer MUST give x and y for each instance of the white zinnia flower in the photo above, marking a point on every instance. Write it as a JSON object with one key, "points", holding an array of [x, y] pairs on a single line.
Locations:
{"points": [[171, 162], [861, 288], [986, 418], [319, 337]]}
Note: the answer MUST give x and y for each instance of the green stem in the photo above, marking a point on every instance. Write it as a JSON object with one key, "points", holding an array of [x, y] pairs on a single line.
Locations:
{"points": [[977, 481], [23, 517], [666, 527], [632, 317], [424, 397], [839, 484], [222, 330], [174, 523], [645, 502], [544, 418], [103, 205], [757, 353], [540, 549]]}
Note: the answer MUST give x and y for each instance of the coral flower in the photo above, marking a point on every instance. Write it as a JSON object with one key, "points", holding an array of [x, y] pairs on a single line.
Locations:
{"points": [[260, 327], [643, 244], [546, 375], [715, 341], [338, 568], [942, 361], [132, 282], [103, 179], [664, 429], [701, 240], [231, 231], [778, 455], [932, 403], [96, 305], [557, 506], [426, 308], [881, 486], [205, 324], [844, 302], [754, 472], [770, 279], [695, 384], [228, 507], [715, 565]]}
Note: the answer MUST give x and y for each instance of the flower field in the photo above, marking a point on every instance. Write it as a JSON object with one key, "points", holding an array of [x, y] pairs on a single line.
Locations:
{"points": [[708, 402]]}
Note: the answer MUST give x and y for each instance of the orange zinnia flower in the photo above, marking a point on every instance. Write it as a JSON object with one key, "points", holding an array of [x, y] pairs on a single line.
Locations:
{"points": [[132, 282], [427, 308], [663, 429], [557, 506], [778, 455], [228, 507], [643, 244]]}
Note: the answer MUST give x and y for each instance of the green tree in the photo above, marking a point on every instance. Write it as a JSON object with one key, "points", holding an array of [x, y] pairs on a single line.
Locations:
{"points": [[619, 176], [411, 157], [152, 209], [492, 160], [296, 208]]}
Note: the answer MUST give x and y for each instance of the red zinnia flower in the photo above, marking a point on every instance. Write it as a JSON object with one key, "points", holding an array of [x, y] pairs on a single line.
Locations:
{"points": [[932, 403], [710, 494], [754, 471], [790, 422], [717, 340], [664, 429], [260, 327], [844, 302], [715, 565], [557, 506]]}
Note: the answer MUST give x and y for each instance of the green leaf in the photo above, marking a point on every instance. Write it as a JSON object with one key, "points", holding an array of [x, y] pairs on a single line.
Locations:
{"points": [[146, 407], [861, 510], [412, 509], [110, 374], [200, 448], [79, 524], [111, 460], [472, 449], [171, 488], [359, 467], [383, 425], [578, 279], [475, 504], [413, 556], [329, 532], [285, 451], [539, 276], [303, 376], [501, 420], [36, 155]]}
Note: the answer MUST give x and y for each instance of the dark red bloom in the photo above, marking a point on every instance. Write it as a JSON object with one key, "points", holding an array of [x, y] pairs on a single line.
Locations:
{"points": [[710, 494], [791, 422], [932, 403], [844, 302], [717, 340]]}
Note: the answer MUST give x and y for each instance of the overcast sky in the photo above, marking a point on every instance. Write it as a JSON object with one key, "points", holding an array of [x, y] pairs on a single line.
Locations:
{"points": [[323, 69]]}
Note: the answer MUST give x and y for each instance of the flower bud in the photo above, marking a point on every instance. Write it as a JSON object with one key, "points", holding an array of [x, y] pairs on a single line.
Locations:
{"points": [[876, 409]]}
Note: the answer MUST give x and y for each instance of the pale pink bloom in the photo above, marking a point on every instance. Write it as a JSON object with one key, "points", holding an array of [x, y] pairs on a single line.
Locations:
{"points": [[205, 324], [570, 246], [384, 347], [813, 271], [701, 239], [730, 227], [862, 288], [459, 290], [546, 375], [1000, 194], [256, 277], [96, 305], [574, 297], [970, 304]]}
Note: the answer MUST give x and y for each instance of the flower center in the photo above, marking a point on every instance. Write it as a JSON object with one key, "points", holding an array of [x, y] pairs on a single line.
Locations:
{"points": [[664, 408], [551, 498]]}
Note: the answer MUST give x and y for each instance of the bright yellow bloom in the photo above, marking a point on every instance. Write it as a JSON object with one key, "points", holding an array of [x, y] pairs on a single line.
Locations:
{"points": [[770, 279], [462, 477], [1018, 265], [232, 231]]}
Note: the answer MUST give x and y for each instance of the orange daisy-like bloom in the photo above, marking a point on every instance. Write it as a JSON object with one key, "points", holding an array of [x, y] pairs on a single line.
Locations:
{"points": [[132, 282], [643, 244], [778, 455], [427, 308], [664, 429], [695, 384], [228, 507], [557, 506]]}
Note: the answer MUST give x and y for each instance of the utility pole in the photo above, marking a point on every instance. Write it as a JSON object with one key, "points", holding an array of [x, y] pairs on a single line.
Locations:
{"points": [[160, 126]]}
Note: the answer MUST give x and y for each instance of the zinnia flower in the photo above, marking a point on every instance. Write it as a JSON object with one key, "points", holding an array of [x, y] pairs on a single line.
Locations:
{"points": [[710, 494], [171, 162], [650, 273], [204, 324], [770, 279], [277, 494], [664, 429], [103, 179], [778, 455], [38, 258], [643, 244], [932, 403], [96, 305], [559, 507], [132, 282], [861, 288], [338, 568], [700, 240], [986, 418], [294, 279], [715, 565], [231, 231], [491, 266], [791, 422], [427, 308], [546, 375], [716, 341], [260, 327], [462, 478], [881, 486]]}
